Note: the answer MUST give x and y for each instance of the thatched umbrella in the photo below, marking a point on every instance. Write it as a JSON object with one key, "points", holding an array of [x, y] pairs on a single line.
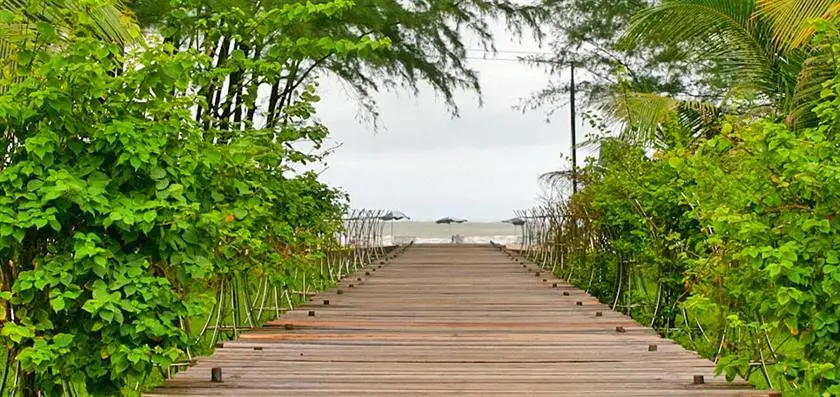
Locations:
{"points": [[394, 216], [517, 221], [449, 220]]}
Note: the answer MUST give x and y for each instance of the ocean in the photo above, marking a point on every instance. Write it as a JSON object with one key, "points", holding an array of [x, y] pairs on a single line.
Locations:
{"points": [[470, 232]]}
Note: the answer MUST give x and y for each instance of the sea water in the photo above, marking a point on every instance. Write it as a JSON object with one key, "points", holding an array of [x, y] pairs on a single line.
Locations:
{"points": [[467, 233]]}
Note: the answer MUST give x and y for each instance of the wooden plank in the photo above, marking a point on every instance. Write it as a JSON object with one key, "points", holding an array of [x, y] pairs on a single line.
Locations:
{"points": [[442, 320]]}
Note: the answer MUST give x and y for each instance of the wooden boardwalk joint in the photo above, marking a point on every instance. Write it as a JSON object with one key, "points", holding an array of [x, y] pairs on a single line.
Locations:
{"points": [[452, 320]]}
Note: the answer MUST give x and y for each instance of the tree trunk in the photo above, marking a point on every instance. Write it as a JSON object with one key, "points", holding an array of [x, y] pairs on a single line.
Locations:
{"points": [[28, 387]]}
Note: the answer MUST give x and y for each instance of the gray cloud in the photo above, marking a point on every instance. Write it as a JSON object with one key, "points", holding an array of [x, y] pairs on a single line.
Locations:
{"points": [[480, 166]]}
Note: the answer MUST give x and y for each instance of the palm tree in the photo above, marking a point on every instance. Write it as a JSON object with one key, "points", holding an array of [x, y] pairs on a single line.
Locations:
{"points": [[759, 48], [660, 120], [18, 18]]}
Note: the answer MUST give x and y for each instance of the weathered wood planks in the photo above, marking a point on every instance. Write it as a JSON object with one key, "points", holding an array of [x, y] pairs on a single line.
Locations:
{"points": [[453, 320]]}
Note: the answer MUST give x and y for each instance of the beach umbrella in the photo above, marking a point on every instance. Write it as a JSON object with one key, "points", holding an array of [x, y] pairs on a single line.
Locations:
{"points": [[394, 216], [449, 220], [517, 221]]}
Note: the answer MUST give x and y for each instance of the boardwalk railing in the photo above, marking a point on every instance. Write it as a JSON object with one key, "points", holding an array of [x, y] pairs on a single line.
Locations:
{"points": [[245, 299]]}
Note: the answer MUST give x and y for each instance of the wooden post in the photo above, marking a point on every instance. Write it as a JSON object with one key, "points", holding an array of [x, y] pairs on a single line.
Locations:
{"points": [[216, 375]]}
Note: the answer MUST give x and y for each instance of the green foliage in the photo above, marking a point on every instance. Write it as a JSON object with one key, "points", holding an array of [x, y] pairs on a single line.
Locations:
{"points": [[625, 234], [426, 43], [727, 243], [757, 52], [690, 60], [140, 181], [53, 19], [728, 33], [768, 196], [588, 34], [87, 231], [120, 211]]}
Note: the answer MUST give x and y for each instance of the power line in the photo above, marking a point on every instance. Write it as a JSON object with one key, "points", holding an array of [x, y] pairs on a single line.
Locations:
{"points": [[521, 60], [494, 59], [498, 59], [510, 51]]}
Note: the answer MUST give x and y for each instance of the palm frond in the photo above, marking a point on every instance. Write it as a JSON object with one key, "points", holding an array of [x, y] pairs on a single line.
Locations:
{"points": [[817, 69], [557, 178], [757, 45], [713, 28], [698, 119], [792, 22], [791, 18], [640, 113], [723, 33], [646, 113], [645, 116], [107, 22]]}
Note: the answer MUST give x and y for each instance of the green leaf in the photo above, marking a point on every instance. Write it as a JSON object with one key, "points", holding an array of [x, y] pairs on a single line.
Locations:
{"points": [[6, 16], [158, 173], [150, 216], [102, 52], [91, 306], [46, 30], [240, 213], [63, 340], [97, 325], [190, 236], [34, 185], [831, 257], [100, 260], [24, 58], [99, 270], [675, 162], [774, 269], [134, 356], [106, 315], [40, 223], [40, 283], [57, 303], [16, 332], [100, 290], [19, 235]]}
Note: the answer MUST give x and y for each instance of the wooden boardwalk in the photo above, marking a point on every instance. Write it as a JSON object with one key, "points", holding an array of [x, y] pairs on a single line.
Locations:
{"points": [[453, 320]]}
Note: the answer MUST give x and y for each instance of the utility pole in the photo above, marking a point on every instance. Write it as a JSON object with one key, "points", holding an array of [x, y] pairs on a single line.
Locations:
{"points": [[573, 117], [574, 138]]}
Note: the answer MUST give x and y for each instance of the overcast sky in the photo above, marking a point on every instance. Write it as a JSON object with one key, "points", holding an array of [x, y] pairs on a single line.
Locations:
{"points": [[423, 162]]}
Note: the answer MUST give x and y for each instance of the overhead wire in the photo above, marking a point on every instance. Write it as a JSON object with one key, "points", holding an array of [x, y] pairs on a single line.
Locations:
{"points": [[490, 55], [494, 59], [510, 51]]}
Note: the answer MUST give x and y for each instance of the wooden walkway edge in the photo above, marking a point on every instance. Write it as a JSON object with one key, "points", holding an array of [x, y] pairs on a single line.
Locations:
{"points": [[453, 320]]}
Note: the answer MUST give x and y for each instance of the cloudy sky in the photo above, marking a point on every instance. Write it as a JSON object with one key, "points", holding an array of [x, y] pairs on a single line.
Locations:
{"points": [[480, 166]]}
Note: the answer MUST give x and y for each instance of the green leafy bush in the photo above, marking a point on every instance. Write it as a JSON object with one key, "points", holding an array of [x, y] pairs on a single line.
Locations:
{"points": [[120, 212], [728, 244], [95, 207]]}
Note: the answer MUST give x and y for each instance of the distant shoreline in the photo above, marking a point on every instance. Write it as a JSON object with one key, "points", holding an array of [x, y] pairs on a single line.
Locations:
{"points": [[428, 232]]}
